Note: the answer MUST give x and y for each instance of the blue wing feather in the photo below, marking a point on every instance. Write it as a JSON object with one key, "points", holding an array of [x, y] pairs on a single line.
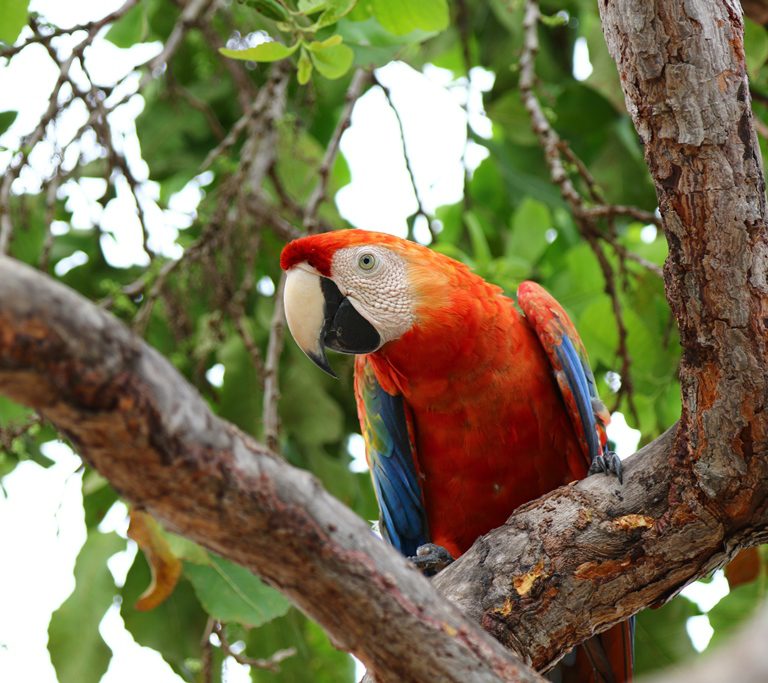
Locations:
{"points": [[582, 384], [390, 455], [568, 357]]}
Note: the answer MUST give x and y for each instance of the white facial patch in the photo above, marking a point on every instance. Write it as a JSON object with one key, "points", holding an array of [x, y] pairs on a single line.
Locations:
{"points": [[374, 280]]}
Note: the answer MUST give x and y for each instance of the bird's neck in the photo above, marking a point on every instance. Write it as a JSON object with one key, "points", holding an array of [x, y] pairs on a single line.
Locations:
{"points": [[453, 349]]}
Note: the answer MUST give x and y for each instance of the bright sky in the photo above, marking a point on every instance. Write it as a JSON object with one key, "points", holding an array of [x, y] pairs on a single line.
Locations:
{"points": [[45, 505]]}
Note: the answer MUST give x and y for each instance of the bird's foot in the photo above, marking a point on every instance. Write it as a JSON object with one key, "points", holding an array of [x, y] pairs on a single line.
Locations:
{"points": [[607, 463], [431, 558]]}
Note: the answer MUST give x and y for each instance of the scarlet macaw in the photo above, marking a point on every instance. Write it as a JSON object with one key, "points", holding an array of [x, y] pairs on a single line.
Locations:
{"points": [[468, 408]]}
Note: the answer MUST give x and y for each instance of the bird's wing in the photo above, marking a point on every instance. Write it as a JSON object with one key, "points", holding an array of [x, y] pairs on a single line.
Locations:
{"points": [[386, 424], [608, 657], [570, 364]]}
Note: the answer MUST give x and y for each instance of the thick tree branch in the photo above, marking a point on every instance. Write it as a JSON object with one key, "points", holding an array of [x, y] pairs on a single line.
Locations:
{"points": [[574, 562], [578, 560], [134, 419]]}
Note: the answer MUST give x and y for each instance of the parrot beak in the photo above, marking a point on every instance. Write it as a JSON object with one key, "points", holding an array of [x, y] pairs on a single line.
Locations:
{"points": [[320, 316]]}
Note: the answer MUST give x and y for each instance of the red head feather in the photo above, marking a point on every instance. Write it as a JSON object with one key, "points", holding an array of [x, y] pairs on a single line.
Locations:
{"points": [[318, 250]]}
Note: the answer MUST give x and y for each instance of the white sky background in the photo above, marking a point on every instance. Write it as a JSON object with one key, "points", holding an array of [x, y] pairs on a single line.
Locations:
{"points": [[41, 518]]}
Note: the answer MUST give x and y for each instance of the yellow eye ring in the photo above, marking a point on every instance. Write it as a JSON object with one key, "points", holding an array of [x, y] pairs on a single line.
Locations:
{"points": [[366, 261]]}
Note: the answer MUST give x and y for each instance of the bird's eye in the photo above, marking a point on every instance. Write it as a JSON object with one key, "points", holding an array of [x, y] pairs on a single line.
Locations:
{"points": [[366, 261]]}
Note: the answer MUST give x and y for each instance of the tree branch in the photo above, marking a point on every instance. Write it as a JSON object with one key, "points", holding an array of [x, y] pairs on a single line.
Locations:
{"points": [[134, 419], [574, 562]]}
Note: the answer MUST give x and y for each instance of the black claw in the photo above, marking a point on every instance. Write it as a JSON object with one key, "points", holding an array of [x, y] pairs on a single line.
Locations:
{"points": [[431, 558], [607, 463]]}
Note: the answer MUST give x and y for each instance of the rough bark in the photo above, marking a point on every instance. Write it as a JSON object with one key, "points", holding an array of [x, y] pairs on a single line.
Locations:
{"points": [[683, 72], [138, 422], [572, 563]]}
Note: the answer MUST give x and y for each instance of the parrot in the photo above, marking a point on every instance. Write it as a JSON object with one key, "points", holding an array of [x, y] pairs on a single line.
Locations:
{"points": [[468, 405]]}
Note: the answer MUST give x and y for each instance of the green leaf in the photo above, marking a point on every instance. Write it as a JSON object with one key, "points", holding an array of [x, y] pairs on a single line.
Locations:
{"points": [[480, 248], [238, 402], [403, 16], [755, 46], [185, 549], [312, 6], [98, 497], [735, 608], [131, 28], [336, 10], [12, 412], [174, 628], [332, 62], [265, 52], [316, 660], [597, 326], [661, 638], [510, 113], [328, 42], [527, 238], [307, 412], [230, 592], [304, 72], [271, 9], [78, 652], [6, 120], [13, 17], [374, 45], [585, 134]]}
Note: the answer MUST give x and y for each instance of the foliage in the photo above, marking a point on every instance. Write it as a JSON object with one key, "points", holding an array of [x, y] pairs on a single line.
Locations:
{"points": [[203, 128]]}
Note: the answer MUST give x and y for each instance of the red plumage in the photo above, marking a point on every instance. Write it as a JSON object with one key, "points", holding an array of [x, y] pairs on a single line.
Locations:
{"points": [[491, 415]]}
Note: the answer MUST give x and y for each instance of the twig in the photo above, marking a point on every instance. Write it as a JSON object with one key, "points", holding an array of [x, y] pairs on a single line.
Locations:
{"points": [[585, 217], [50, 210], [615, 210], [91, 27], [236, 307], [189, 17], [272, 663], [545, 133], [285, 199], [206, 660], [271, 418], [627, 388], [12, 432], [553, 146], [240, 125], [282, 228], [200, 105], [421, 211], [360, 80], [463, 23], [55, 107], [624, 253]]}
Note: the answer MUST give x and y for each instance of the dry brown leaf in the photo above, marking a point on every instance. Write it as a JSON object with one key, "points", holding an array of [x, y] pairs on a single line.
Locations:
{"points": [[164, 565]]}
